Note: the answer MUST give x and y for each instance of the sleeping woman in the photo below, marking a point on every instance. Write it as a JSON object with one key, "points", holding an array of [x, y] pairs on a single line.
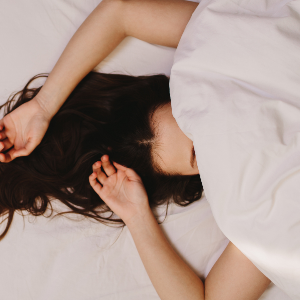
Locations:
{"points": [[107, 142]]}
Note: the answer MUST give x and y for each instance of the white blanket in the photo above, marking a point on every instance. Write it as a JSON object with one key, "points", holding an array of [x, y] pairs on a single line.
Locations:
{"points": [[235, 90]]}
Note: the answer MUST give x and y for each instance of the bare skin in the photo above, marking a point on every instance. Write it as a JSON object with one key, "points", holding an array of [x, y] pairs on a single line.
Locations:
{"points": [[173, 150], [154, 21], [232, 277], [159, 22]]}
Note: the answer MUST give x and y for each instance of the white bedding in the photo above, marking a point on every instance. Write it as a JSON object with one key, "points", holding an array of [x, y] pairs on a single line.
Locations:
{"points": [[79, 259], [82, 260], [235, 90], [63, 258]]}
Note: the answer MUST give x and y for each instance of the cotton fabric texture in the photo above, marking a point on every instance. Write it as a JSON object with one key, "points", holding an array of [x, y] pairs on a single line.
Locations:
{"points": [[74, 258], [235, 90]]}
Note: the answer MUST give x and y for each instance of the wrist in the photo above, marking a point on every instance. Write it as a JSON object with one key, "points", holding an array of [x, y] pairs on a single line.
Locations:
{"points": [[140, 220], [42, 107], [53, 94], [49, 102]]}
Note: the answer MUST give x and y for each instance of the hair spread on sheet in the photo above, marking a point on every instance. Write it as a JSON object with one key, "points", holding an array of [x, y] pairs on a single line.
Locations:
{"points": [[105, 114]]}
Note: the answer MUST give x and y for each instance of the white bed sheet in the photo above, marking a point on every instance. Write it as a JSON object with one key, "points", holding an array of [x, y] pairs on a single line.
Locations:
{"points": [[235, 91], [80, 259], [67, 259]]}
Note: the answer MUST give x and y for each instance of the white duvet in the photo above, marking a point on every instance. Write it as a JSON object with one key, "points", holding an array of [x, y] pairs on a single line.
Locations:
{"points": [[235, 90]]}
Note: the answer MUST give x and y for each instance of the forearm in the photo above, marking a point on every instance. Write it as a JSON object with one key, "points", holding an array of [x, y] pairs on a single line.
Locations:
{"points": [[169, 274], [233, 276], [100, 33], [159, 22]]}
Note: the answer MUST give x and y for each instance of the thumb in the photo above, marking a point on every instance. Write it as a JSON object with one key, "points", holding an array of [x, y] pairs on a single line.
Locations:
{"points": [[119, 167], [131, 174], [29, 147]]}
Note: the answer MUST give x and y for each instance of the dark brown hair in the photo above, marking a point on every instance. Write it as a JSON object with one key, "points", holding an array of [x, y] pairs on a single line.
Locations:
{"points": [[105, 114]]}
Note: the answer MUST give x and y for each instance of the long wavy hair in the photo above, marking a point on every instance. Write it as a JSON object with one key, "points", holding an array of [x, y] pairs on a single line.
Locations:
{"points": [[105, 114]]}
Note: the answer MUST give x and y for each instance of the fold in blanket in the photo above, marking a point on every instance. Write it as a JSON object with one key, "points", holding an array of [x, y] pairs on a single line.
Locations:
{"points": [[235, 90]]}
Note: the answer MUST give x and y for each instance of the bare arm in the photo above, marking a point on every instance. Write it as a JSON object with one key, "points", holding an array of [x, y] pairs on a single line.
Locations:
{"points": [[232, 277], [155, 21]]}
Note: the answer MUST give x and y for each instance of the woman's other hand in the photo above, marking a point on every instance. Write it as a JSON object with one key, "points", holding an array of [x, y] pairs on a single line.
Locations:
{"points": [[22, 130], [120, 188]]}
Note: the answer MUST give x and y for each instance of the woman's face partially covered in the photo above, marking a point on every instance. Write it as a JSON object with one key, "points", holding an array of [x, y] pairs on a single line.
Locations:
{"points": [[173, 151]]}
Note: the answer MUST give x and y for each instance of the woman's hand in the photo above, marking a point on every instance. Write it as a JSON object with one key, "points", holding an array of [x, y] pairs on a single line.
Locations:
{"points": [[121, 189], [22, 130]]}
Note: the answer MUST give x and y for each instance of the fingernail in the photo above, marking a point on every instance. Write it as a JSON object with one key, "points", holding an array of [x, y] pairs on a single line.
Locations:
{"points": [[97, 164]]}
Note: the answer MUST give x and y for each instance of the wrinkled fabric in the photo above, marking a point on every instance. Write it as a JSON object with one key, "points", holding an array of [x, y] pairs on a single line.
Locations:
{"points": [[70, 258], [235, 90], [77, 258]]}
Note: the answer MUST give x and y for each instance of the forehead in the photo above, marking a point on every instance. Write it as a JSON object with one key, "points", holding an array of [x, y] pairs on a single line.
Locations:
{"points": [[162, 120], [172, 148]]}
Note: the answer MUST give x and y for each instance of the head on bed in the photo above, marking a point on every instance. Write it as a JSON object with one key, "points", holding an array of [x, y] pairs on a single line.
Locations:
{"points": [[127, 117]]}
